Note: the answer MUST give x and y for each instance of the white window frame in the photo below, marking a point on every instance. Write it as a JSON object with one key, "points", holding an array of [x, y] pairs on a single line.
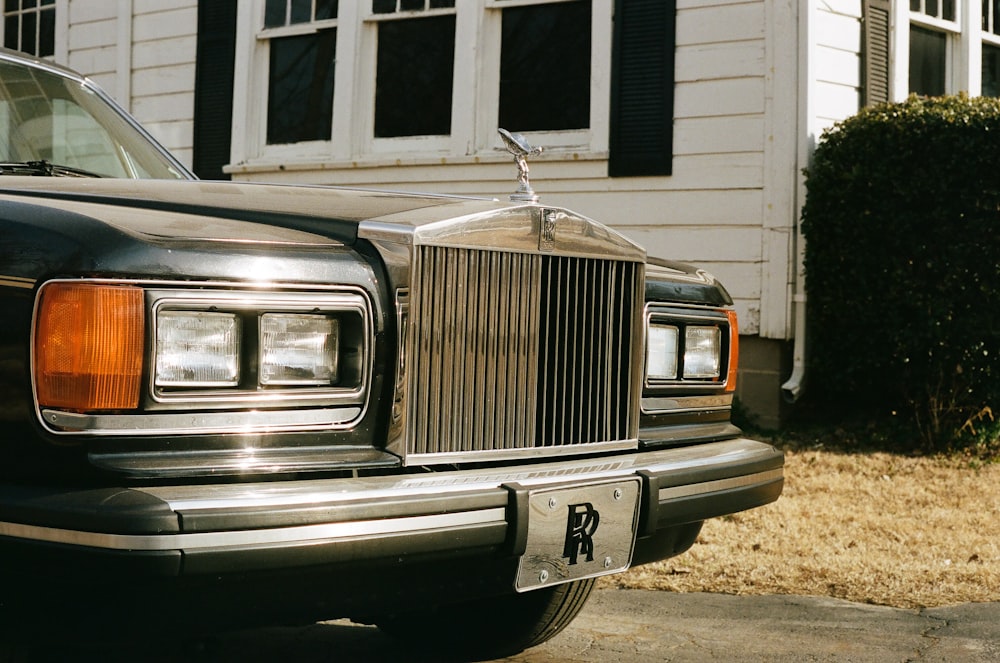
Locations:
{"points": [[475, 97], [61, 8]]}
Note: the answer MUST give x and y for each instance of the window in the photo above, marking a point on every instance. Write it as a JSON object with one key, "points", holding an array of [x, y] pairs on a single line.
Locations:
{"points": [[991, 71], [928, 61], [413, 95], [30, 26], [349, 83], [941, 9], [301, 66], [933, 27], [545, 67]]}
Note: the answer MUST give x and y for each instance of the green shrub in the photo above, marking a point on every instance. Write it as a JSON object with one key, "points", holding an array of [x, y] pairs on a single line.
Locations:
{"points": [[902, 227]]}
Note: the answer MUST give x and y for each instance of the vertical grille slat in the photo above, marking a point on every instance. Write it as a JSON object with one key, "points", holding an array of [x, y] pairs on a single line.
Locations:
{"points": [[514, 352]]}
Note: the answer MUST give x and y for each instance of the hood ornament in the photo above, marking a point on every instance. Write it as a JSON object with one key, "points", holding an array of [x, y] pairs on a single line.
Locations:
{"points": [[518, 145]]}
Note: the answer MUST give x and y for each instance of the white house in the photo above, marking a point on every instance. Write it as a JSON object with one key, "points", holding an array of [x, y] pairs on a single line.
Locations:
{"points": [[685, 124]]}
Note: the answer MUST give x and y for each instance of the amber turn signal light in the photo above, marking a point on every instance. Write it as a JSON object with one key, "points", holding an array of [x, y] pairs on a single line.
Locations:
{"points": [[734, 351], [89, 346]]}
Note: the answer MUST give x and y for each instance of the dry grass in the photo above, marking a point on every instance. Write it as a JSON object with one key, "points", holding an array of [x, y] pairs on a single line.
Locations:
{"points": [[876, 528]]}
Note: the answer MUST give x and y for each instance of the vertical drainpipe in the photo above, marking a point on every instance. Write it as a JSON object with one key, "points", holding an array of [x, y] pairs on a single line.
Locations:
{"points": [[792, 389], [123, 48]]}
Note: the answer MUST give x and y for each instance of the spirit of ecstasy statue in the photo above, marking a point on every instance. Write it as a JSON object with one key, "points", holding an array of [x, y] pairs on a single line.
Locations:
{"points": [[518, 145]]}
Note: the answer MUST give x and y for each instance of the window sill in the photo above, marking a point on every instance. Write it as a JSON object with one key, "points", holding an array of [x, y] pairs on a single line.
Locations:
{"points": [[271, 165]]}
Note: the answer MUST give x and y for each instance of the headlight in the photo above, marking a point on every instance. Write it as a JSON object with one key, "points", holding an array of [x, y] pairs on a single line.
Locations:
{"points": [[686, 347], [197, 349], [661, 352], [702, 352], [298, 349]]}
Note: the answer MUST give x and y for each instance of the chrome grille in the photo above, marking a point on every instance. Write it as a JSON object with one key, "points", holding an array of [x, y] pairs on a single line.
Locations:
{"points": [[519, 353]]}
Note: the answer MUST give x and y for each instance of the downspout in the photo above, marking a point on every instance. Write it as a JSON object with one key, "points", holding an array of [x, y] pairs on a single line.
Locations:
{"points": [[793, 387]]}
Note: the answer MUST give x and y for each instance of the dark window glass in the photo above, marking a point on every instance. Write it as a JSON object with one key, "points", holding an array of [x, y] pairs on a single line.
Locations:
{"points": [[931, 7], [413, 86], [301, 11], [996, 17], [326, 9], [47, 32], [383, 6], [438, 4], [411, 5], [29, 27], [10, 5], [927, 62], [948, 10], [275, 13], [545, 67], [300, 93], [991, 71], [10, 32]]}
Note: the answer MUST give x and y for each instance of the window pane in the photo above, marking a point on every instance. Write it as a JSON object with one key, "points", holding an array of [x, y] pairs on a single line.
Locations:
{"points": [[300, 91], [545, 67], [326, 9], [275, 13], [301, 11], [948, 10], [413, 94], [411, 5], [383, 6], [11, 25], [47, 32], [437, 4], [991, 71], [10, 5], [29, 25], [927, 62]]}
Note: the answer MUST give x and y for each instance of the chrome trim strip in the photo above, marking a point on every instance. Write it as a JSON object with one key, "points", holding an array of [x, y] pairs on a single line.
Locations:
{"points": [[676, 492], [17, 282], [519, 453], [302, 534], [332, 491], [682, 404], [182, 423]]}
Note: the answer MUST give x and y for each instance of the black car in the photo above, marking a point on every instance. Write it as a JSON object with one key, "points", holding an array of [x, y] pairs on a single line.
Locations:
{"points": [[227, 404]]}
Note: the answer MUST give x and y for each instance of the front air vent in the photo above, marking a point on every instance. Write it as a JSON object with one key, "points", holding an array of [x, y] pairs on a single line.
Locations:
{"points": [[520, 354]]}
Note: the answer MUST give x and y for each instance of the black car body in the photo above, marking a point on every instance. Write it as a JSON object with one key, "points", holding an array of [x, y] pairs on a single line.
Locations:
{"points": [[258, 403]]}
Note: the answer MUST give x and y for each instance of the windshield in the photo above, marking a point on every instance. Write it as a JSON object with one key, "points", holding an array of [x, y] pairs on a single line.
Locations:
{"points": [[46, 118]]}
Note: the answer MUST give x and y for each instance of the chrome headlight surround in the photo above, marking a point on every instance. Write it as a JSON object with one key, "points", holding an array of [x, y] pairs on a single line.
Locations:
{"points": [[240, 401], [689, 349]]}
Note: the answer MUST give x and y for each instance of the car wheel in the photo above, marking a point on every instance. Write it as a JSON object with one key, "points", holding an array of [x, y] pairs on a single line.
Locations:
{"points": [[493, 627]]}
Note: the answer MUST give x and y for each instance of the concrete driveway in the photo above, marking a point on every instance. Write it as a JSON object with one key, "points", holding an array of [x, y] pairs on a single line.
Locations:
{"points": [[632, 626]]}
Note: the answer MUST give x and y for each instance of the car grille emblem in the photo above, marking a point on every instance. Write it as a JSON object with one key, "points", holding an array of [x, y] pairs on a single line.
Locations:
{"points": [[547, 231]]}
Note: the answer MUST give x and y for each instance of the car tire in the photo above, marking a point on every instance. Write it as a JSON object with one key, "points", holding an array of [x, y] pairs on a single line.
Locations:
{"points": [[490, 628]]}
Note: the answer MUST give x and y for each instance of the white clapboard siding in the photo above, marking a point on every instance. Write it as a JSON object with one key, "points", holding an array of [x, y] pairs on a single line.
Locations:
{"points": [[164, 46]]}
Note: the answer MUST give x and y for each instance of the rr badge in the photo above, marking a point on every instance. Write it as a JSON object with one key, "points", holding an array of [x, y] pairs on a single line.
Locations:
{"points": [[581, 524], [547, 232]]}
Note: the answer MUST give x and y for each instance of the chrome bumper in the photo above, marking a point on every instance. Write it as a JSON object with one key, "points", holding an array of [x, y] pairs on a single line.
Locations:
{"points": [[281, 524]]}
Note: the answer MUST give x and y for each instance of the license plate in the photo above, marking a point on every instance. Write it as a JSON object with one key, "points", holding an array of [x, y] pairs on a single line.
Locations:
{"points": [[578, 532]]}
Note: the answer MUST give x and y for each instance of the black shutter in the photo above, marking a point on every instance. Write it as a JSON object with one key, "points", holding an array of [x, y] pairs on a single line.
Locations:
{"points": [[875, 60], [213, 87], [642, 88]]}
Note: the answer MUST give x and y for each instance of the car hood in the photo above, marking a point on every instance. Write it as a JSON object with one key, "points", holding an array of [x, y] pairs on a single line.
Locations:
{"points": [[205, 210]]}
